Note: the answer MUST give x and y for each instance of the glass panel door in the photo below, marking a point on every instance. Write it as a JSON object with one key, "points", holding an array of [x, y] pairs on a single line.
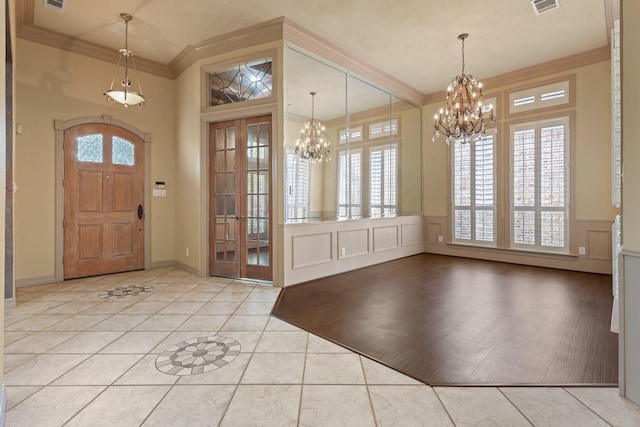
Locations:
{"points": [[240, 200], [258, 174]]}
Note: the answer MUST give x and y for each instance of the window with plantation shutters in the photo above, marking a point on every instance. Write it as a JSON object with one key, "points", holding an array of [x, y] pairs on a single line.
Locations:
{"points": [[540, 185], [350, 183], [297, 185], [383, 181], [474, 200]]}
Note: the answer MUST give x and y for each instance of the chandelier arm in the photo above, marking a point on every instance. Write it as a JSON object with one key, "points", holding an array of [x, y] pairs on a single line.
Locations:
{"points": [[115, 72], [135, 69]]}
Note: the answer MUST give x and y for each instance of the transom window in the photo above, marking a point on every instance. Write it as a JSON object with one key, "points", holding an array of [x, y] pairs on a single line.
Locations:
{"points": [[242, 82], [539, 97]]}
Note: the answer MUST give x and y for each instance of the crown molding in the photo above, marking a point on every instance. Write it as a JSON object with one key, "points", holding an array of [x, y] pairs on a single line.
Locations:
{"points": [[82, 47], [552, 67], [265, 32], [297, 35], [27, 31]]}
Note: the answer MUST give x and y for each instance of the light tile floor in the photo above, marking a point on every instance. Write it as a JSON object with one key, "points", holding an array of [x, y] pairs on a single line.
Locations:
{"points": [[78, 355]]}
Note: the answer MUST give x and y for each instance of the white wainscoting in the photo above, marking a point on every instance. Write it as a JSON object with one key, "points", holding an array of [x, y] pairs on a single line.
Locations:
{"points": [[630, 326], [319, 249]]}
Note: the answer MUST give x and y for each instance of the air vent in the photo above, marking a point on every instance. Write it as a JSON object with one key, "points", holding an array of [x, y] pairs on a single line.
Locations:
{"points": [[541, 6], [55, 4]]}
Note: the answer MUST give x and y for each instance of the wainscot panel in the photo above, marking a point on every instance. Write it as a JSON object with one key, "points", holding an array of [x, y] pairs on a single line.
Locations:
{"points": [[593, 235], [385, 238], [309, 247], [353, 243]]}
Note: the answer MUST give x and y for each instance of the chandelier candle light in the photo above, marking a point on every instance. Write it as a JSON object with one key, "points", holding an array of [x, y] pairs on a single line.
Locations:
{"points": [[462, 118], [312, 144], [126, 96]]}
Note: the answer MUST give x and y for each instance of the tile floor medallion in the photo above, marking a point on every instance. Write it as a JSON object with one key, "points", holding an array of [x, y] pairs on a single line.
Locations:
{"points": [[198, 355], [125, 291]]}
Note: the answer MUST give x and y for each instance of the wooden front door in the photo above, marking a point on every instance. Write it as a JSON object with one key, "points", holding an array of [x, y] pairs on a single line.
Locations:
{"points": [[103, 201], [240, 198]]}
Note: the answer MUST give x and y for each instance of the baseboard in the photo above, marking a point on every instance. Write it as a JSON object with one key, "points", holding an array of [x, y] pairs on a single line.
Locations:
{"points": [[33, 281], [3, 405], [615, 316], [8, 304], [187, 268], [163, 264]]}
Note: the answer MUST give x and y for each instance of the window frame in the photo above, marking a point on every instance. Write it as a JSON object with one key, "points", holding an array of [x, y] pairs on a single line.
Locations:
{"points": [[297, 163], [395, 146], [349, 206], [568, 119], [472, 208]]}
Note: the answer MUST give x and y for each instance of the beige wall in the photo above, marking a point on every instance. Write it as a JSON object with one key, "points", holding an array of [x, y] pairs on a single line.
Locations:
{"points": [[594, 212], [192, 118], [55, 84], [188, 170]]}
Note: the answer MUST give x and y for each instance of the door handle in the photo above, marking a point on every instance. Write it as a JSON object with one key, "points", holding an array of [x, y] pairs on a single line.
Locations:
{"points": [[239, 216], [140, 212]]}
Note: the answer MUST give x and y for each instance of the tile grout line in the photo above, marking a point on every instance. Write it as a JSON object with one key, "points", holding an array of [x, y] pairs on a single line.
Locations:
{"points": [[366, 384], [444, 407], [302, 383], [586, 406], [514, 405]]}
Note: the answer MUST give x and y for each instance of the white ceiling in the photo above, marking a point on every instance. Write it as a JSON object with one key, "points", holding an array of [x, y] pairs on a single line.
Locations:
{"points": [[412, 40]]}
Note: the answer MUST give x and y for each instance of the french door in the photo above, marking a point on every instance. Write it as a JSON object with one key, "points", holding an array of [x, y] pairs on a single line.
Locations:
{"points": [[240, 198], [103, 200]]}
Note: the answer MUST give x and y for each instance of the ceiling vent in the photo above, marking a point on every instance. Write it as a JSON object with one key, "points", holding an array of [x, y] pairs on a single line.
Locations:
{"points": [[541, 6], [55, 4]]}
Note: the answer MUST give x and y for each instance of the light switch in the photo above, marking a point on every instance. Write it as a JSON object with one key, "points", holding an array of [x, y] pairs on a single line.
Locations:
{"points": [[159, 193]]}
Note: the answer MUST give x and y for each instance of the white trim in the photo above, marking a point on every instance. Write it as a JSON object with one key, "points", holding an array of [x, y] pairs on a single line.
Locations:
{"points": [[537, 209], [60, 126]]}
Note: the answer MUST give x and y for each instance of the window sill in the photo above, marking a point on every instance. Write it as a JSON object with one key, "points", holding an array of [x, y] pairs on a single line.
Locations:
{"points": [[511, 251]]}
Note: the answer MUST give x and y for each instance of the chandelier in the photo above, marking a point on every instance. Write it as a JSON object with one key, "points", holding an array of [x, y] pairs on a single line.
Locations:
{"points": [[312, 144], [125, 95], [462, 119]]}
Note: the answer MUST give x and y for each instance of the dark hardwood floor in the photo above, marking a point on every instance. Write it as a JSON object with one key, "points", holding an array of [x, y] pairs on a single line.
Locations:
{"points": [[455, 321]]}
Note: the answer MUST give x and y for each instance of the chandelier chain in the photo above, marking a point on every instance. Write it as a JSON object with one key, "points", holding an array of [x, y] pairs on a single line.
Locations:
{"points": [[463, 54]]}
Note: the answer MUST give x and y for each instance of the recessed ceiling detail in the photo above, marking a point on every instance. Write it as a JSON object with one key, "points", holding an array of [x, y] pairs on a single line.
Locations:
{"points": [[541, 6]]}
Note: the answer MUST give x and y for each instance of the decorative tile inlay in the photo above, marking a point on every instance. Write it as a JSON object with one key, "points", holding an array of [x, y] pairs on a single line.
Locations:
{"points": [[125, 291], [198, 355]]}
